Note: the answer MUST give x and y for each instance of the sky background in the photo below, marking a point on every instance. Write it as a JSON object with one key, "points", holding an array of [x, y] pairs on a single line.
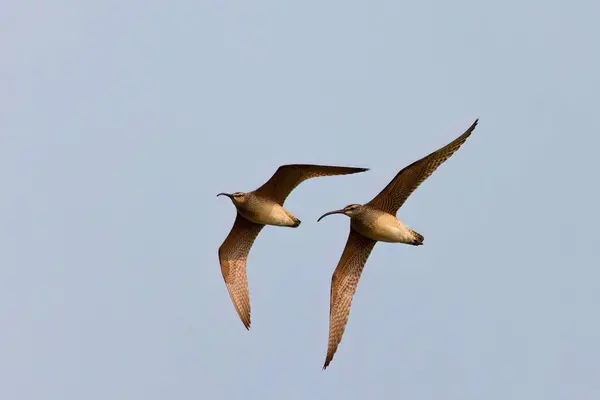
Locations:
{"points": [[121, 120]]}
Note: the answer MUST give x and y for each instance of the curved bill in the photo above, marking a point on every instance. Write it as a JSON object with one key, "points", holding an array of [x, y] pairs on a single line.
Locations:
{"points": [[331, 212], [226, 194]]}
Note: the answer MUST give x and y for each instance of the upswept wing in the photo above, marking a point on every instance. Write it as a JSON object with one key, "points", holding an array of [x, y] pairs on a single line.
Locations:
{"points": [[391, 198], [288, 177]]}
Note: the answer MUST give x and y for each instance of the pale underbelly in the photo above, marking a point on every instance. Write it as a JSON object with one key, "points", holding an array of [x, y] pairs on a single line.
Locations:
{"points": [[394, 232], [268, 215]]}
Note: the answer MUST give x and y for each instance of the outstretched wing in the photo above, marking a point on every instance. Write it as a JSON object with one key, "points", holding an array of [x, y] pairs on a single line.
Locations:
{"points": [[343, 285], [391, 198], [233, 254], [287, 177]]}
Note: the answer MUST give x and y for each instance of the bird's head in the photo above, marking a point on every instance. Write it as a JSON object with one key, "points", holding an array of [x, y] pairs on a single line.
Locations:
{"points": [[350, 210], [237, 197]]}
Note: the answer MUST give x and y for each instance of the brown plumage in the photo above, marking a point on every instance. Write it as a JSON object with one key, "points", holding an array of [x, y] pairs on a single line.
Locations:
{"points": [[343, 285], [255, 210], [391, 198], [232, 256], [373, 222]]}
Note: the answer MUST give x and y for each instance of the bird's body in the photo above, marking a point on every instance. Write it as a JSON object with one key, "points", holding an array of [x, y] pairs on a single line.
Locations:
{"points": [[375, 222], [382, 227], [265, 211], [263, 206]]}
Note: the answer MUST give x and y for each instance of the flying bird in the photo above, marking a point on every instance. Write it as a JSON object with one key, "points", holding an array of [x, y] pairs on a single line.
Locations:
{"points": [[376, 221], [255, 210]]}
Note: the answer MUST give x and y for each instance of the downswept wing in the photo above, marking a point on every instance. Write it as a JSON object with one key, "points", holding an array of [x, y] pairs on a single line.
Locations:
{"points": [[233, 254], [288, 177], [343, 286], [391, 198]]}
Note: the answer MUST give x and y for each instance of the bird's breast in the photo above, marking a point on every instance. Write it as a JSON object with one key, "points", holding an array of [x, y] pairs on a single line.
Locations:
{"points": [[383, 228], [267, 213]]}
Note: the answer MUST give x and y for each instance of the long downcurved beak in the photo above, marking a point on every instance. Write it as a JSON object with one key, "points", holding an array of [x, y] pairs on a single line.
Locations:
{"points": [[226, 194], [329, 213]]}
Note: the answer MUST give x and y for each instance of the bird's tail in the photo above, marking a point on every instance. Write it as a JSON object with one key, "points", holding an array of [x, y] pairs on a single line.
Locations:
{"points": [[417, 238], [297, 222]]}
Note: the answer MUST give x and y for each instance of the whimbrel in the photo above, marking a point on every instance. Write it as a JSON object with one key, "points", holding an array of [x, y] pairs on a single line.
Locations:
{"points": [[255, 210], [372, 222]]}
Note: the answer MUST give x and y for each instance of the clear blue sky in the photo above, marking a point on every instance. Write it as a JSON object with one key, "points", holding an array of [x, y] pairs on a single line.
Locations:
{"points": [[121, 120]]}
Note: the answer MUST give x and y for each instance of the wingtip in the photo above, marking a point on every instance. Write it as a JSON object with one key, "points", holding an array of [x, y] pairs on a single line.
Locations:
{"points": [[246, 320], [357, 170], [472, 127]]}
